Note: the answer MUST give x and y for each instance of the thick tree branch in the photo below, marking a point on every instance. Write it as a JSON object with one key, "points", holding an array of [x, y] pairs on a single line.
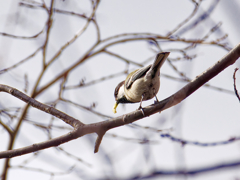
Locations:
{"points": [[101, 127], [39, 146], [34, 103]]}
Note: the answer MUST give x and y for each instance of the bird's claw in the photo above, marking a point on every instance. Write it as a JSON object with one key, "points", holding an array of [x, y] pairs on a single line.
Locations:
{"points": [[156, 101], [140, 108]]}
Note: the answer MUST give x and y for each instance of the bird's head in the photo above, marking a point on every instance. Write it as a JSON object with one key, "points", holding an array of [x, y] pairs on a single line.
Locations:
{"points": [[119, 96]]}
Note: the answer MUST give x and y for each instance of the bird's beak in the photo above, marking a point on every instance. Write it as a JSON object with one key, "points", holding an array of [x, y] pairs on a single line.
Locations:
{"points": [[115, 107]]}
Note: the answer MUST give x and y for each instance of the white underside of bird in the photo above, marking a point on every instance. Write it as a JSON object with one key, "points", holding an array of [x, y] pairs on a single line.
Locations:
{"points": [[142, 89]]}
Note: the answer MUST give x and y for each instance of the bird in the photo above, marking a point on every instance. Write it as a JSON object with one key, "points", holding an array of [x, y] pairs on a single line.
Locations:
{"points": [[140, 85]]}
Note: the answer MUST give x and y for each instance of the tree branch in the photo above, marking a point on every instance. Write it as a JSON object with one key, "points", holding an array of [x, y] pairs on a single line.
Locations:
{"points": [[196, 143], [34, 103], [234, 84], [184, 172], [100, 128]]}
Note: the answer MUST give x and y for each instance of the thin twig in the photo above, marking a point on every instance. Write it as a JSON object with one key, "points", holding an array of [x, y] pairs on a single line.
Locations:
{"points": [[186, 172], [186, 142], [20, 62], [86, 108], [49, 27], [234, 84], [10, 132], [122, 58], [83, 84], [45, 126], [73, 156], [22, 37], [139, 141], [197, 5], [44, 171]]}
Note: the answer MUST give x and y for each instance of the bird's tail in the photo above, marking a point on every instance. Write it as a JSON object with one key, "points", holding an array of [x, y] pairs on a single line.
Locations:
{"points": [[159, 60]]}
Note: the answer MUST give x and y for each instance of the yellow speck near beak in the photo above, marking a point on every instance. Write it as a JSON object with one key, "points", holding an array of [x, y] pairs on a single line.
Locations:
{"points": [[115, 108]]}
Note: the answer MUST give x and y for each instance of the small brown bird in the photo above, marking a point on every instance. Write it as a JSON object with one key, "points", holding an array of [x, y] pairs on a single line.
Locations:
{"points": [[142, 84]]}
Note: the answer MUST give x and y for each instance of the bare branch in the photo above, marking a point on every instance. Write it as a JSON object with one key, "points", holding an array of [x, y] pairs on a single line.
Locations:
{"points": [[99, 140], [184, 142], [10, 132], [39, 146], [22, 37], [73, 156], [197, 5], [234, 84], [85, 108], [49, 26], [134, 140], [26, 84], [45, 126], [34, 103], [83, 84], [44, 171], [20, 62], [125, 37], [185, 172], [122, 58], [152, 129]]}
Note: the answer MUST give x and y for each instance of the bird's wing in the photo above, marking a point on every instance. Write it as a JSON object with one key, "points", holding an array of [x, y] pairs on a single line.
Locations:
{"points": [[136, 75]]}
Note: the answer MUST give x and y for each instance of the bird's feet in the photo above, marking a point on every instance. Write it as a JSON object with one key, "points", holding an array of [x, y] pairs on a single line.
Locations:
{"points": [[140, 108], [156, 101]]}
